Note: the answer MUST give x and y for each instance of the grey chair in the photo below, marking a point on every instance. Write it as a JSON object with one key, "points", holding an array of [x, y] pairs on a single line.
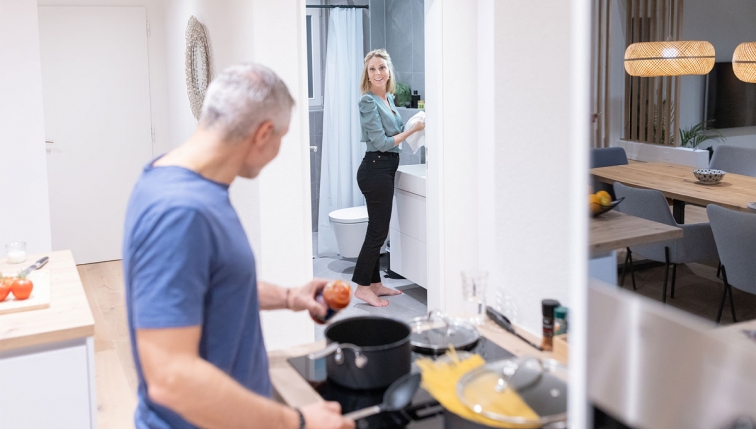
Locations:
{"points": [[734, 159], [735, 235], [606, 157], [696, 245]]}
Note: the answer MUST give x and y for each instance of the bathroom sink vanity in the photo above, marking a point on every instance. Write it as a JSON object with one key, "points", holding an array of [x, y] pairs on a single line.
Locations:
{"points": [[407, 230]]}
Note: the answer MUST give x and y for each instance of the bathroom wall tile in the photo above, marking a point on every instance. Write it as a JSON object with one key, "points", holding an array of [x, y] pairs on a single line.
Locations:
{"points": [[315, 158], [418, 36], [399, 33], [316, 121], [418, 84], [377, 24]]}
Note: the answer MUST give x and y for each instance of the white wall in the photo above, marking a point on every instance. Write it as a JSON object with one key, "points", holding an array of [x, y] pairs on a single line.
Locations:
{"points": [[452, 179], [275, 208], [155, 10], [23, 163], [516, 155]]}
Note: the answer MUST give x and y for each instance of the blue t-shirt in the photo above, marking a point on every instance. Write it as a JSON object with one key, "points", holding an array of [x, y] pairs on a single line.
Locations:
{"points": [[187, 262]]}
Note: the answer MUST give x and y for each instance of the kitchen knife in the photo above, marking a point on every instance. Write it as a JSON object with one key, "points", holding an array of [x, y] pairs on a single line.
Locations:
{"points": [[35, 266], [502, 321]]}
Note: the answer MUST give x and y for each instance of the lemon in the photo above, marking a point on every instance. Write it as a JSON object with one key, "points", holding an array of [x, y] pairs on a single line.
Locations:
{"points": [[594, 203], [604, 198]]}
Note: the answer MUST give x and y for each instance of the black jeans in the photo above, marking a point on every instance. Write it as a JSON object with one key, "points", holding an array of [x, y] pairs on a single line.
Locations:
{"points": [[376, 180]]}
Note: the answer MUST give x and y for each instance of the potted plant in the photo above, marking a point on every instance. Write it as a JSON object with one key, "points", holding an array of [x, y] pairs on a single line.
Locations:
{"points": [[697, 134]]}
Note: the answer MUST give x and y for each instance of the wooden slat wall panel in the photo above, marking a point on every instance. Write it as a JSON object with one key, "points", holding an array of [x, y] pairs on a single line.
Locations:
{"points": [[658, 19], [678, 28], [642, 95], [651, 104], [635, 80], [607, 41], [628, 80]]}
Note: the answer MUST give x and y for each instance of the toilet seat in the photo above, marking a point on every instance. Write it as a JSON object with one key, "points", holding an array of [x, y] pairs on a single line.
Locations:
{"points": [[349, 215]]}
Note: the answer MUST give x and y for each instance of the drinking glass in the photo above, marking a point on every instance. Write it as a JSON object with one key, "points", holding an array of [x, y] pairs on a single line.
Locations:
{"points": [[474, 284], [16, 252]]}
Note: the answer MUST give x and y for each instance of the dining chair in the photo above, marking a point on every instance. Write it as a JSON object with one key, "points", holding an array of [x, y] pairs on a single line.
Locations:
{"points": [[734, 159], [606, 157], [735, 235], [696, 245]]}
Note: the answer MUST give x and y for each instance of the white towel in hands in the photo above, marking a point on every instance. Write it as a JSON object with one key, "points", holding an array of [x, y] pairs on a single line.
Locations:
{"points": [[416, 140]]}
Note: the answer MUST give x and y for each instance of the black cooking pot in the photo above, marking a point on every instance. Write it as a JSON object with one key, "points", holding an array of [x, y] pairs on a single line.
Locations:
{"points": [[366, 352]]}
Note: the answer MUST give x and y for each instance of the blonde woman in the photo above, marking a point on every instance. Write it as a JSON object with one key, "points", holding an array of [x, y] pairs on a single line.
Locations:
{"points": [[382, 131]]}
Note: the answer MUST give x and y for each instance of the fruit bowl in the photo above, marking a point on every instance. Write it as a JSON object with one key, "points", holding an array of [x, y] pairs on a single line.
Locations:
{"points": [[603, 209], [708, 176]]}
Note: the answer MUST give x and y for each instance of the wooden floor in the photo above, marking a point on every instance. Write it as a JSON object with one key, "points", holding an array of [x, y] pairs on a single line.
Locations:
{"points": [[114, 367]]}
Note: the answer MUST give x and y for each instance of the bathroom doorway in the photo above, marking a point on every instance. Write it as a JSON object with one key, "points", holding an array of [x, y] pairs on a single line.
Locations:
{"points": [[398, 27]]}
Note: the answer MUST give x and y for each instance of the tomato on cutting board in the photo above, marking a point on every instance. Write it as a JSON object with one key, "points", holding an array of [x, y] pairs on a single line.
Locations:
{"points": [[5, 287], [22, 288]]}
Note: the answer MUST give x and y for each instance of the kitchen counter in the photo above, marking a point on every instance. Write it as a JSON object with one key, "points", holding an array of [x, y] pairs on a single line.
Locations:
{"points": [[48, 354], [291, 389], [68, 317]]}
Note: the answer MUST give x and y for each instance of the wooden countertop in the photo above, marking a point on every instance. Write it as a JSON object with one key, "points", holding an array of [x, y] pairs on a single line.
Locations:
{"points": [[614, 230], [734, 334], [290, 388], [68, 317]]}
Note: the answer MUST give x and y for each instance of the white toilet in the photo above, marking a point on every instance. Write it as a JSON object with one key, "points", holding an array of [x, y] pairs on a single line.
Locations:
{"points": [[349, 226]]}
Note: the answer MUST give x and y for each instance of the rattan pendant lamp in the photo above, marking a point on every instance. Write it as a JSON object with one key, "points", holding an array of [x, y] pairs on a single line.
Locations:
{"points": [[744, 62], [669, 58]]}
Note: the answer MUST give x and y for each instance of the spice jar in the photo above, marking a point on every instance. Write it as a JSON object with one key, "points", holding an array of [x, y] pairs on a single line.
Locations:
{"points": [[560, 320], [335, 296], [548, 306]]}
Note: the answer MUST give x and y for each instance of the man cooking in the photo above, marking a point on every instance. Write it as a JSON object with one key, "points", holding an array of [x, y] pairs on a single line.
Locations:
{"points": [[191, 287]]}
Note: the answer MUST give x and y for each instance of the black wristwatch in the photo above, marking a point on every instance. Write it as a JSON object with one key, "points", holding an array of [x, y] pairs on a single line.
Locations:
{"points": [[301, 418]]}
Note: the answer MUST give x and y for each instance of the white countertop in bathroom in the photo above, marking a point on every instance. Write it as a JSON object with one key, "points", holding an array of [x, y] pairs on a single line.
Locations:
{"points": [[411, 178]]}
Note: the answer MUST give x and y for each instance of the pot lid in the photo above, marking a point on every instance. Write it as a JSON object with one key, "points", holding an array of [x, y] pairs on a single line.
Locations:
{"points": [[517, 390], [436, 333]]}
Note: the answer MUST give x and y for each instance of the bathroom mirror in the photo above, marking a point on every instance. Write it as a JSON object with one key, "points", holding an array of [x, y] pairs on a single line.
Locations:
{"points": [[198, 64]]}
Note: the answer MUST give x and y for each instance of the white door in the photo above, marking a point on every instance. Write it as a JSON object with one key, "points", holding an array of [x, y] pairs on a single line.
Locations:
{"points": [[96, 92]]}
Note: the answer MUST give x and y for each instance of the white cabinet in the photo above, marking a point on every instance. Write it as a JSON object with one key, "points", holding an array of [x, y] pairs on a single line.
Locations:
{"points": [[49, 386], [407, 230]]}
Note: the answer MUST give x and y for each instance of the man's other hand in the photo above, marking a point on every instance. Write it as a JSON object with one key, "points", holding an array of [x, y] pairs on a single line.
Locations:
{"points": [[325, 415]]}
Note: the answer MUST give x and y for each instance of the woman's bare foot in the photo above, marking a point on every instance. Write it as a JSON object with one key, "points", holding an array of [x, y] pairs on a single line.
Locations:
{"points": [[366, 294], [381, 290]]}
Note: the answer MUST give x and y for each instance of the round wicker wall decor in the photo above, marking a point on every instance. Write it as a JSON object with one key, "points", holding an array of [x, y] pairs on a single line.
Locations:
{"points": [[198, 64]]}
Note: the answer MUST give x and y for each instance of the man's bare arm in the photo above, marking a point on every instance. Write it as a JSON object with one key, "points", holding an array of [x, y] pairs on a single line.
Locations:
{"points": [[274, 297], [179, 379]]}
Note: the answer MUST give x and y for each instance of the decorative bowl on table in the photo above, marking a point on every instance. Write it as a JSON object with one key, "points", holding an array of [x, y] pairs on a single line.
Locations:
{"points": [[602, 208], [708, 176]]}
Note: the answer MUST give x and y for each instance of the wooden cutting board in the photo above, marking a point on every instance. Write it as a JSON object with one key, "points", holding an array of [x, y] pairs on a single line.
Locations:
{"points": [[39, 298]]}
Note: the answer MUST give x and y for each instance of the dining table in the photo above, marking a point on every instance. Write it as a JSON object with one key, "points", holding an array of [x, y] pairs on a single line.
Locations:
{"points": [[678, 183]]}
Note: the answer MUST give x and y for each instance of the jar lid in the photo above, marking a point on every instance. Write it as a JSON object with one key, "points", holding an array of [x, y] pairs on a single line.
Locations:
{"points": [[436, 333], [560, 312], [548, 306], [518, 390]]}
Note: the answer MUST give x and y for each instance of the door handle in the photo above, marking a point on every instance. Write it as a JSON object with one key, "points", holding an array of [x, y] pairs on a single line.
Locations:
{"points": [[49, 141]]}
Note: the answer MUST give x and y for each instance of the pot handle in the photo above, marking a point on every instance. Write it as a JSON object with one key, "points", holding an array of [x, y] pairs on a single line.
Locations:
{"points": [[360, 360]]}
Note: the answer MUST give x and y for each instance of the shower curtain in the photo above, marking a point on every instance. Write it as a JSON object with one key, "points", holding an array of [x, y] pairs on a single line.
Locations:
{"points": [[342, 150]]}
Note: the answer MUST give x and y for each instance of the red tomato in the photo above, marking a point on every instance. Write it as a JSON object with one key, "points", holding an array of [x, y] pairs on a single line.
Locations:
{"points": [[5, 288], [22, 288]]}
